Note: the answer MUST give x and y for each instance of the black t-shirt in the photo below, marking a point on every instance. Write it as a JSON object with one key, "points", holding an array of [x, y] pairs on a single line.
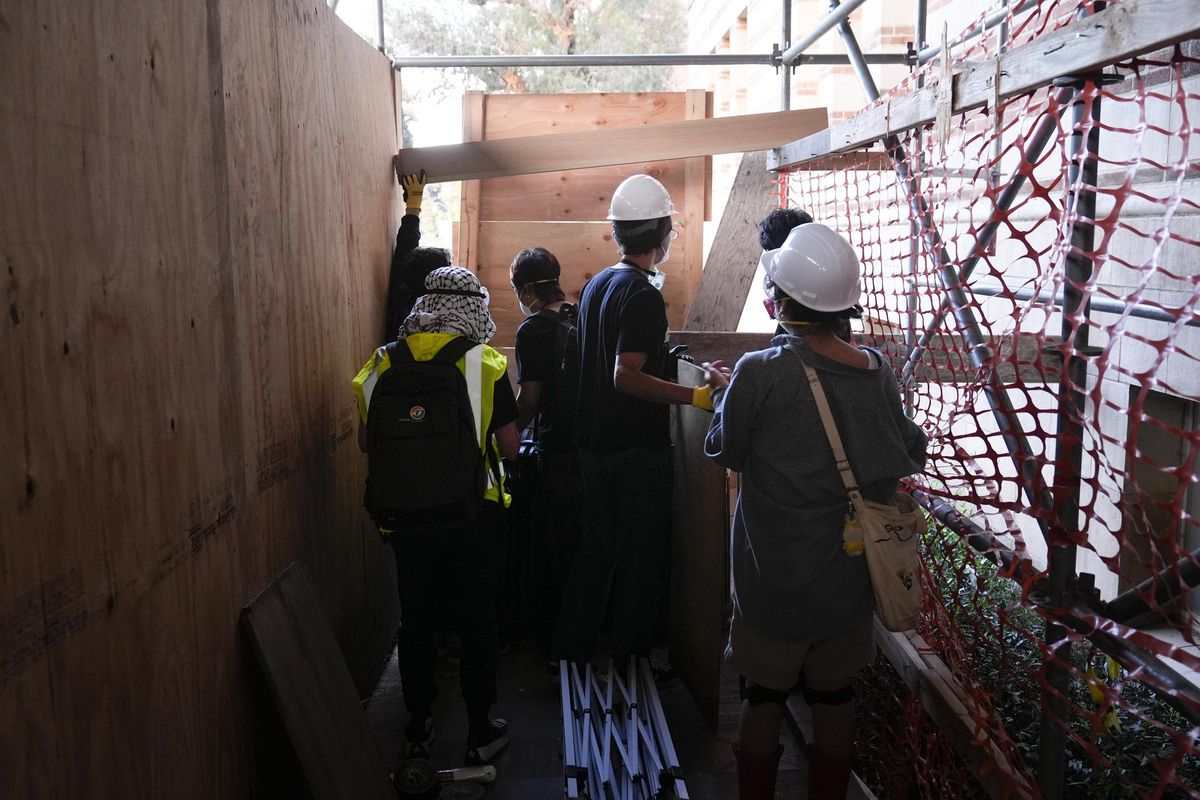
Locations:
{"points": [[504, 404], [536, 361], [620, 312]]}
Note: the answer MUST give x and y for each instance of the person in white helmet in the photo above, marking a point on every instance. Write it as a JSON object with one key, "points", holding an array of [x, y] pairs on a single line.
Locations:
{"points": [[622, 430], [802, 605]]}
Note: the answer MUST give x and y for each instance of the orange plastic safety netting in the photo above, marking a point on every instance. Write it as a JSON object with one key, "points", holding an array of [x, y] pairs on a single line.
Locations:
{"points": [[1034, 278]]}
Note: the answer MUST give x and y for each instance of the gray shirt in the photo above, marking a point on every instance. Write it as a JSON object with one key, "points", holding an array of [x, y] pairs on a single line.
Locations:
{"points": [[791, 579]]}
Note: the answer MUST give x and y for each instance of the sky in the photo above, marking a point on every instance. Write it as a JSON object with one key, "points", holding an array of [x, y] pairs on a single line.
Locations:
{"points": [[359, 15]]}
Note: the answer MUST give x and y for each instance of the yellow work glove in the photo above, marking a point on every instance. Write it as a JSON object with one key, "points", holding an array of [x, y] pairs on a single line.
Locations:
{"points": [[702, 397], [413, 186]]}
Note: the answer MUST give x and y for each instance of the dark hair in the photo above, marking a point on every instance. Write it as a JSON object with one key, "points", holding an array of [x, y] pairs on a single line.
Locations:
{"points": [[775, 227], [538, 268], [418, 264], [639, 236], [792, 310]]}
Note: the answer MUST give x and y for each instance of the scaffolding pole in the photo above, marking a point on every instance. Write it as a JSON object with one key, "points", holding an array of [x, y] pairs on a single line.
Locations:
{"points": [[634, 60], [925, 54], [785, 99], [792, 55]]}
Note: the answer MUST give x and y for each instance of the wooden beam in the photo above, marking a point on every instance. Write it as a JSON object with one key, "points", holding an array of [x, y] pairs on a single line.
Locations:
{"points": [[598, 148], [730, 267], [1117, 33], [1030, 366], [928, 677], [724, 346], [469, 202], [694, 191]]}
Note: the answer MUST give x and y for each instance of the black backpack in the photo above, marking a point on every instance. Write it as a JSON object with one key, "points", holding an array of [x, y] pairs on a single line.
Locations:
{"points": [[425, 471], [566, 359]]}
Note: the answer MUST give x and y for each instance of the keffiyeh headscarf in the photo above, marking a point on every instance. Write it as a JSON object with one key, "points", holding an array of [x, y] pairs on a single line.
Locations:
{"points": [[454, 302]]}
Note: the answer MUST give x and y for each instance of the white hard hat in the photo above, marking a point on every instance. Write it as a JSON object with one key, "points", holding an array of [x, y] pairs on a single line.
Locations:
{"points": [[640, 197], [815, 267]]}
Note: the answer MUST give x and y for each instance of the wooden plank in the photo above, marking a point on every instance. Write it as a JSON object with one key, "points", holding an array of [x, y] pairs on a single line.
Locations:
{"points": [[556, 152], [946, 702], [466, 248], [516, 115], [726, 346], [363, 591], [158, 321], [725, 284], [580, 195], [695, 190], [313, 690], [1118, 32], [699, 561]]}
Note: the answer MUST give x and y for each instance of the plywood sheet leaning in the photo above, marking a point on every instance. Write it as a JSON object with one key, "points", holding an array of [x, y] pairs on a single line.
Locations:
{"points": [[628, 145], [733, 258], [699, 563], [313, 690]]}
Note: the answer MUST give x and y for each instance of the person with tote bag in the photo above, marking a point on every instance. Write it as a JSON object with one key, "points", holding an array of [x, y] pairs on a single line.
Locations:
{"points": [[802, 597]]}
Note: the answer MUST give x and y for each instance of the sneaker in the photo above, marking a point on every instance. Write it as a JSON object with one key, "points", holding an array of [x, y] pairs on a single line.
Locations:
{"points": [[482, 747], [419, 735]]}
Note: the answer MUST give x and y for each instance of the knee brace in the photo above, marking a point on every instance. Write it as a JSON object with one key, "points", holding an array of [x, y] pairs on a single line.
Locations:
{"points": [[756, 695], [836, 697]]}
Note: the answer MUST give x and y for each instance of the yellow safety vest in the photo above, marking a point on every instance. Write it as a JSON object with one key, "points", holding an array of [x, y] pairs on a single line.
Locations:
{"points": [[482, 366]]}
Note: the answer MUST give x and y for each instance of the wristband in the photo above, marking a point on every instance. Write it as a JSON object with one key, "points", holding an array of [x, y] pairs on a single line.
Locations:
{"points": [[702, 397]]}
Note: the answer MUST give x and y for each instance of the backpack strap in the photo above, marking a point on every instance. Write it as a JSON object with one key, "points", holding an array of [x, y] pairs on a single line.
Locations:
{"points": [[399, 352], [453, 350], [450, 353]]}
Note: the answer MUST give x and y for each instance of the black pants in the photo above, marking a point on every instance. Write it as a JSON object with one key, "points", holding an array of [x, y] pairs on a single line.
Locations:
{"points": [[554, 539], [623, 548], [459, 568]]}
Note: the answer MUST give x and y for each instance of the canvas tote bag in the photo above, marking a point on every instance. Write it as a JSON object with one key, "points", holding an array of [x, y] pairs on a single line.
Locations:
{"points": [[888, 532]]}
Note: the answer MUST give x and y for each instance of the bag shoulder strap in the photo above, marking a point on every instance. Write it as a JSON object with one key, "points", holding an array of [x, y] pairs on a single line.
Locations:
{"points": [[399, 352], [831, 429], [454, 349]]}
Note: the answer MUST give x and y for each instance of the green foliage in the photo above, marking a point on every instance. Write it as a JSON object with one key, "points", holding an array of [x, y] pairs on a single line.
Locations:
{"points": [[540, 27], [1000, 635]]}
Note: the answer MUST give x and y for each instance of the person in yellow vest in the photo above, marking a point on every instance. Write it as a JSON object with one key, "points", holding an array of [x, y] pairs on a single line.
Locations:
{"points": [[458, 565]]}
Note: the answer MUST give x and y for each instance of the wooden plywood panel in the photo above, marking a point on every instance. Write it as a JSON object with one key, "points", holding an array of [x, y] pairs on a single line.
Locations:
{"points": [[699, 562], [696, 184], [582, 248], [253, 132], [467, 241], [734, 256], [366, 590], [313, 690], [579, 195], [667, 140], [108, 219], [727, 347], [162, 330], [512, 115]]}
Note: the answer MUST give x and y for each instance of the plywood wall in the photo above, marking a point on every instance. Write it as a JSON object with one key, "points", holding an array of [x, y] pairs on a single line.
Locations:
{"points": [[196, 213], [565, 211]]}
